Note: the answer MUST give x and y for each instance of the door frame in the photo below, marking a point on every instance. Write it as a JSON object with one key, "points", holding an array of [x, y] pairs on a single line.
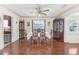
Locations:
{"points": [[6, 17]]}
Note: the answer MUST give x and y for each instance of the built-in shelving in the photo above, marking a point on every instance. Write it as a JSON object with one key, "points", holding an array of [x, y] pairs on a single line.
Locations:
{"points": [[21, 30]]}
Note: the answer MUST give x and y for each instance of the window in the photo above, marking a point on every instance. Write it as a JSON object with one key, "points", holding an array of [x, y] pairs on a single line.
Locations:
{"points": [[38, 25], [5, 23]]}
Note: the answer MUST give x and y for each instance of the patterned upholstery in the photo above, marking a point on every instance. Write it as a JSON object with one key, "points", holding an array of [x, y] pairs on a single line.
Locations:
{"points": [[35, 38], [42, 37]]}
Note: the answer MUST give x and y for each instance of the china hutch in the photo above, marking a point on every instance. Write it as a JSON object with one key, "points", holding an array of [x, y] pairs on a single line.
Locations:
{"points": [[58, 29], [21, 30]]}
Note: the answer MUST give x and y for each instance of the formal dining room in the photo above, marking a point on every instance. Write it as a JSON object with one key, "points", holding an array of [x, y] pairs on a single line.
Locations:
{"points": [[39, 29]]}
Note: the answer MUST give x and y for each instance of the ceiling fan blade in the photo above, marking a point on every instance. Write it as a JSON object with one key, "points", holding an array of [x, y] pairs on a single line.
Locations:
{"points": [[43, 13], [38, 9]]}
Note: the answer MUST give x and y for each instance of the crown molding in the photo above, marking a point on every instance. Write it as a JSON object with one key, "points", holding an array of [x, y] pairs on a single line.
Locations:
{"points": [[59, 15], [10, 10]]}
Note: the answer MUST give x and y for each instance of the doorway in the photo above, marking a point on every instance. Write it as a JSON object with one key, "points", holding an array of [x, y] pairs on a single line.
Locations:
{"points": [[7, 30]]}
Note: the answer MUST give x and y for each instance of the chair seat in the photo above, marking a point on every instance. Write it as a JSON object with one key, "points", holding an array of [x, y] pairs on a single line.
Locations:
{"points": [[35, 40], [43, 40]]}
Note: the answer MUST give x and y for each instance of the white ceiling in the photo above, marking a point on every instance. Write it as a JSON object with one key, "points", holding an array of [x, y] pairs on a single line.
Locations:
{"points": [[27, 9]]}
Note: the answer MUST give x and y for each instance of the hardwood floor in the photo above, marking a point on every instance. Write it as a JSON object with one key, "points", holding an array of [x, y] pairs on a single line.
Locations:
{"points": [[53, 48]]}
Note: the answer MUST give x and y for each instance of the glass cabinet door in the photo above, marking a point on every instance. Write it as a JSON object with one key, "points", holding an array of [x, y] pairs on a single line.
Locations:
{"points": [[61, 26]]}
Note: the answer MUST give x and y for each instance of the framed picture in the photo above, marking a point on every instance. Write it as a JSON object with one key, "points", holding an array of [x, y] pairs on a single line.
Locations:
{"points": [[73, 26], [48, 23], [28, 23]]}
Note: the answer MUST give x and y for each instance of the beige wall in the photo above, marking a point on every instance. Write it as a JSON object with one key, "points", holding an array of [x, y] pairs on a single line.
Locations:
{"points": [[71, 37], [28, 29], [15, 26], [71, 14]]}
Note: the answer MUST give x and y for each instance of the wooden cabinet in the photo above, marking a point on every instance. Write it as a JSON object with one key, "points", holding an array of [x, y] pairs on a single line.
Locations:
{"points": [[58, 29], [21, 30]]}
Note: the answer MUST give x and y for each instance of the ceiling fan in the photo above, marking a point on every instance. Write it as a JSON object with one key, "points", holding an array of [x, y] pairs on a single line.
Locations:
{"points": [[40, 11]]}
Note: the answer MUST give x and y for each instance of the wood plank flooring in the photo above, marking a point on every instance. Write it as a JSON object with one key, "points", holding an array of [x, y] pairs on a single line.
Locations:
{"points": [[53, 48]]}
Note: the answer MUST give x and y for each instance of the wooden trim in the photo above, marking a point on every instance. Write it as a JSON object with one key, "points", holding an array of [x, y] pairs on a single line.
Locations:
{"points": [[44, 25], [7, 32], [7, 17]]}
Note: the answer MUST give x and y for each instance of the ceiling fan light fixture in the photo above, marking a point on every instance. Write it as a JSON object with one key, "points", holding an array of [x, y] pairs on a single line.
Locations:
{"points": [[39, 15]]}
